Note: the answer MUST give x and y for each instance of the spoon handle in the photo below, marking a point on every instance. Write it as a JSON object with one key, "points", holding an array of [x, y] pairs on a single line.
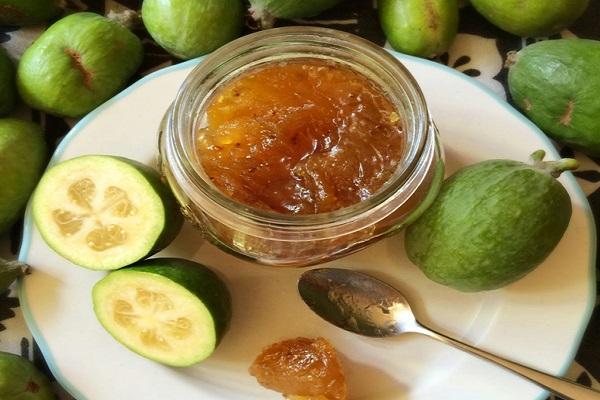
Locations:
{"points": [[562, 387]]}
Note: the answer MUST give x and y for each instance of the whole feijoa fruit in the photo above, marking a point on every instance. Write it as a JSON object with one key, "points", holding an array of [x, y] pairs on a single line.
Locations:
{"points": [[20, 380], [27, 12], [23, 155], [556, 84], [417, 27], [266, 11], [8, 93], [492, 223], [531, 17], [77, 64], [191, 28]]}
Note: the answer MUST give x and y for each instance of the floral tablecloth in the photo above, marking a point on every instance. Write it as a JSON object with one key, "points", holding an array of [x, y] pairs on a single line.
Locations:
{"points": [[479, 51]]}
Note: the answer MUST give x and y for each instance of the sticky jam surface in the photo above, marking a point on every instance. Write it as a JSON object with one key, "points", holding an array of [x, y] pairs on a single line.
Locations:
{"points": [[301, 369], [300, 137]]}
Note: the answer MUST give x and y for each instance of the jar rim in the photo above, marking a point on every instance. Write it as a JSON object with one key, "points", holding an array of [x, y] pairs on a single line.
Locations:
{"points": [[183, 110]]}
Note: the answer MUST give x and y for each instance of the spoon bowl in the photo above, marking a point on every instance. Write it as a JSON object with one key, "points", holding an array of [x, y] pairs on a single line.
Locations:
{"points": [[365, 305]]}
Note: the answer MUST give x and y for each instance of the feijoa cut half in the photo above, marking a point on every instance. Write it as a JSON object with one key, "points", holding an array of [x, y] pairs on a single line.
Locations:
{"points": [[169, 310], [105, 212]]}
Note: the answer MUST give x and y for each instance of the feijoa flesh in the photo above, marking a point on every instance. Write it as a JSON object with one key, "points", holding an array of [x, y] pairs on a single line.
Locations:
{"points": [[23, 157], [27, 12], [77, 64], [531, 18], [20, 380], [8, 92], [191, 28], [418, 27], [104, 212], [169, 310], [557, 85], [492, 223]]}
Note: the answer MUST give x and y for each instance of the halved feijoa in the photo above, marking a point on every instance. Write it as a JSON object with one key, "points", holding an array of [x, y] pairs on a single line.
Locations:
{"points": [[105, 212], [169, 310]]}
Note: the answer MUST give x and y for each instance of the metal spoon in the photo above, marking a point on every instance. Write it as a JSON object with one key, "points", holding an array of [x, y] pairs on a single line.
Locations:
{"points": [[365, 305]]}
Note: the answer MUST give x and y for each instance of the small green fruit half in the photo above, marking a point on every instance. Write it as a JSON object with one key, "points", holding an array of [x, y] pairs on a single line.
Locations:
{"points": [[8, 92], [169, 310], [556, 83], [105, 212], [423, 28], [492, 223], [23, 157], [20, 380], [77, 64], [27, 12], [531, 18], [266, 11], [191, 28]]}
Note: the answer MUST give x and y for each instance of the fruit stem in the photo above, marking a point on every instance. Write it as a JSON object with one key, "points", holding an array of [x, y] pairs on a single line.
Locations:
{"points": [[128, 18], [6, 265], [554, 168], [511, 58], [262, 17]]}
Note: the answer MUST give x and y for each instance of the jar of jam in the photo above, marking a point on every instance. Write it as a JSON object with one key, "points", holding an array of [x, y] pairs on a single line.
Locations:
{"points": [[294, 146]]}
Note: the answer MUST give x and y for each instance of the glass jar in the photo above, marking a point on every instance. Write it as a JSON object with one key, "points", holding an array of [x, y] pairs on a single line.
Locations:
{"points": [[278, 239]]}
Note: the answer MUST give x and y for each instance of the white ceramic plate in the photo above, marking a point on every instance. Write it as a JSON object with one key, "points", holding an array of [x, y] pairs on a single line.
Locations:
{"points": [[538, 320]]}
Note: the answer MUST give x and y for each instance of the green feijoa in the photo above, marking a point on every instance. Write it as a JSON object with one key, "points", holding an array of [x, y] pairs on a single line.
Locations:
{"points": [[77, 64], [23, 155], [531, 17], [20, 380], [423, 28], [8, 93], [556, 83], [169, 310], [104, 212], [492, 223], [266, 11], [191, 28], [27, 12]]}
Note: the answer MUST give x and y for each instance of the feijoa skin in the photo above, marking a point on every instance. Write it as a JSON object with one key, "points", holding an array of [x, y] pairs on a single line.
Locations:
{"points": [[8, 92], [77, 64], [20, 380], [191, 28], [492, 223], [531, 18], [22, 159], [423, 28], [556, 83], [28, 12]]}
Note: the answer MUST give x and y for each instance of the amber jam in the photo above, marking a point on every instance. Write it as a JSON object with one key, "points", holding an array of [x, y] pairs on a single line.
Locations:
{"points": [[294, 146], [300, 137]]}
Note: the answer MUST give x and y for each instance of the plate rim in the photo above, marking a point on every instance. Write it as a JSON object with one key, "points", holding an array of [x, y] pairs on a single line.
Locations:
{"points": [[78, 127]]}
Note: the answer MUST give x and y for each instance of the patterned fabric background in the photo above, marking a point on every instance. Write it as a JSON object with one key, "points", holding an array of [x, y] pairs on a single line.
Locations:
{"points": [[479, 51]]}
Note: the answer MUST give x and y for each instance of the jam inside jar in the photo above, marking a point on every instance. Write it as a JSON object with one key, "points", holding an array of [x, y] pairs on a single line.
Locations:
{"points": [[305, 136], [294, 146]]}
